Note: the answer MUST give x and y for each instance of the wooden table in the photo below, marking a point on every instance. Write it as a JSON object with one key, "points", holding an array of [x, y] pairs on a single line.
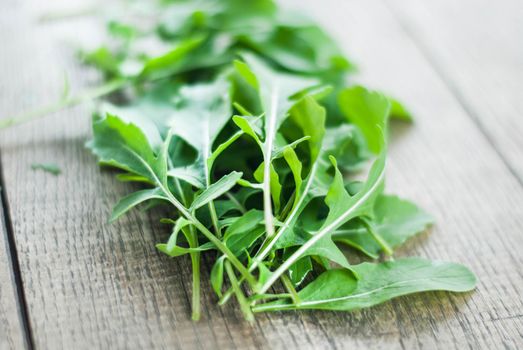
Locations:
{"points": [[70, 280]]}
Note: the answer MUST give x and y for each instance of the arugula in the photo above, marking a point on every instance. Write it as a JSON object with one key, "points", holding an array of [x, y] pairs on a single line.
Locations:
{"points": [[237, 117], [47, 167]]}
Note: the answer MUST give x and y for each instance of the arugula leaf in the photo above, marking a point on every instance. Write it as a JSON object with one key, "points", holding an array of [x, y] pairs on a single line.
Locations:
{"points": [[399, 111], [339, 290], [216, 190], [132, 200], [367, 110], [47, 167], [395, 220], [125, 146]]}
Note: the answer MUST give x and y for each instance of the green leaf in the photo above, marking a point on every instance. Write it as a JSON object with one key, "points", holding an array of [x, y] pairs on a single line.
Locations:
{"points": [[275, 185], [173, 239], [345, 143], [47, 167], [244, 223], [296, 168], [124, 146], [310, 117], [190, 174], [168, 63], [274, 89], [179, 251], [244, 231], [394, 219], [369, 111], [217, 276], [216, 190], [339, 290], [132, 200], [299, 270], [398, 111]]}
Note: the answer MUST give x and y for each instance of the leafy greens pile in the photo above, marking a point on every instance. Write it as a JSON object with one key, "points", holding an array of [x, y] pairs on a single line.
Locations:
{"points": [[238, 117]]}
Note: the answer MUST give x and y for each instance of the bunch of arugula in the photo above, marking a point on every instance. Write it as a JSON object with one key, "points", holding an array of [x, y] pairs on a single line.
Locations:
{"points": [[238, 116]]}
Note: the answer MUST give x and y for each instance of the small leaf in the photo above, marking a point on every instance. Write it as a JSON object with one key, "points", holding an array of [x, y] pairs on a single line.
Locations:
{"points": [[132, 200], [216, 189], [394, 219], [243, 232], [299, 270], [167, 63], [173, 239], [275, 184], [369, 111], [179, 251], [310, 117], [47, 167], [217, 276], [398, 111]]}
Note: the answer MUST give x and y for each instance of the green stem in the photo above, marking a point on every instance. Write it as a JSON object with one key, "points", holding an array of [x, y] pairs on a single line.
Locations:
{"points": [[244, 305], [270, 132], [238, 205], [195, 261], [290, 288], [377, 237], [214, 219], [270, 307], [257, 297], [95, 93], [228, 294]]}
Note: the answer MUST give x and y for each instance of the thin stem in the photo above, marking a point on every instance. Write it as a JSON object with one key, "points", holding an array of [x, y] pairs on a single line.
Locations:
{"points": [[290, 288], [207, 169], [257, 297], [214, 218], [195, 261], [95, 93], [228, 294], [270, 125], [244, 304], [377, 237], [238, 205], [270, 307]]}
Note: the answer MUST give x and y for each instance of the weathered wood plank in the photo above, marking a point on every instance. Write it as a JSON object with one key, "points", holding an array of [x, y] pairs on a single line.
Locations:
{"points": [[476, 47], [93, 285], [11, 326]]}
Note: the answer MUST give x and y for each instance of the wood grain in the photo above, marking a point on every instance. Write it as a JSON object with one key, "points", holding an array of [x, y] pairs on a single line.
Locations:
{"points": [[93, 285], [475, 45], [11, 327]]}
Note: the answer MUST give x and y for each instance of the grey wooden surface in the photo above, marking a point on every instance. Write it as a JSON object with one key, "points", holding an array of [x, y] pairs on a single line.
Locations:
{"points": [[11, 325], [88, 284], [475, 46]]}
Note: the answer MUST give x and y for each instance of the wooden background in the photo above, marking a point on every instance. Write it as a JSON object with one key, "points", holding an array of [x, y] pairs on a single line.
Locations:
{"points": [[70, 280]]}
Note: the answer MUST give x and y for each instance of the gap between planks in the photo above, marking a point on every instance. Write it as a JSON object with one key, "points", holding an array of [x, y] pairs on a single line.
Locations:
{"points": [[12, 260]]}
